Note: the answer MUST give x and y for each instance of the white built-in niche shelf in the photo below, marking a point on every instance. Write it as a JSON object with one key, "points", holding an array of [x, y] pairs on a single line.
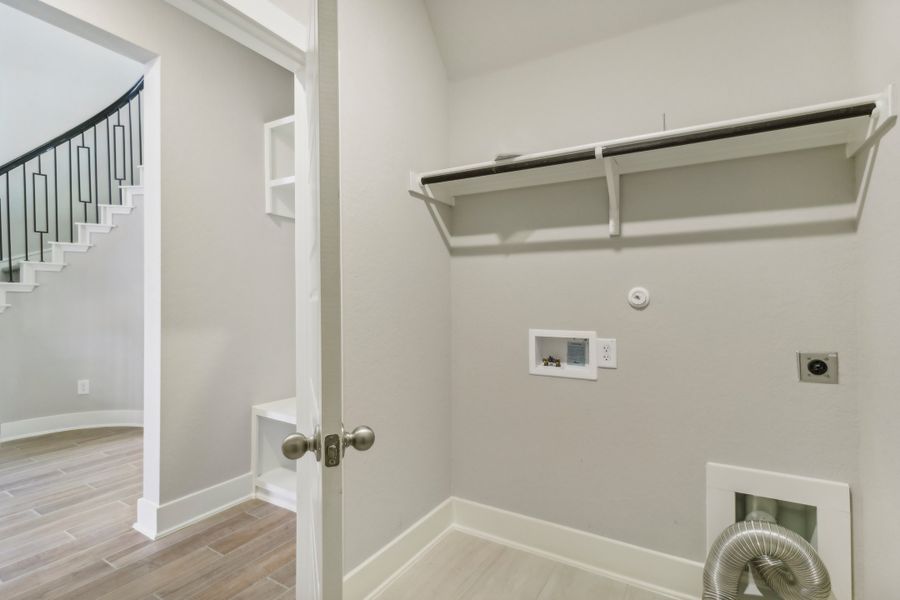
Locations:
{"points": [[279, 163], [550, 353], [274, 476], [856, 123]]}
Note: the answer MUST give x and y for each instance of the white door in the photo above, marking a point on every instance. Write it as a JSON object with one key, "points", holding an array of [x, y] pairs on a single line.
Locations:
{"points": [[319, 444]]}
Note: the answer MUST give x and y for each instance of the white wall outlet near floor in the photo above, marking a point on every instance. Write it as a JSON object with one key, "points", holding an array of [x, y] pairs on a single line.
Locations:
{"points": [[606, 353], [84, 387]]}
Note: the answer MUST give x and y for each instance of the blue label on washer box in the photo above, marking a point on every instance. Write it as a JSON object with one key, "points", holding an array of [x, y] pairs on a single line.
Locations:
{"points": [[576, 352]]}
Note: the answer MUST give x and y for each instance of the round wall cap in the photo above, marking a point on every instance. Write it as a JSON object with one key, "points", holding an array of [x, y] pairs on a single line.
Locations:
{"points": [[638, 297]]}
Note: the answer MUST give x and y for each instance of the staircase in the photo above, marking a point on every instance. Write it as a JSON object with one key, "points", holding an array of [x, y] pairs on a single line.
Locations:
{"points": [[65, 195]]}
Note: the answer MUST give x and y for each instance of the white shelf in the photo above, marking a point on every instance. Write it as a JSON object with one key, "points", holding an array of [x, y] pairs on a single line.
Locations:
{"points": [[279, 141], [856, 123], [282, 181], [279, 410], [280, 480], [274, 476]]}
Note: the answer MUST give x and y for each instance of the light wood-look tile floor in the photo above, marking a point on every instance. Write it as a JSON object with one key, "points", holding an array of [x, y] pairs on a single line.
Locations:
{"points": [[67, 504], [464, 567]]}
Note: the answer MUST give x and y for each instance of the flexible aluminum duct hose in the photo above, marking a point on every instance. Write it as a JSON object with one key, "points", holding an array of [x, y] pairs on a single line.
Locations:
{"points": [[786, 562]]}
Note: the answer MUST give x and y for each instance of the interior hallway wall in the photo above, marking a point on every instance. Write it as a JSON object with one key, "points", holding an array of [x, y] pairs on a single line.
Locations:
{"points": [[396, 282], [877, 46], [227, 267], [708, 371]]}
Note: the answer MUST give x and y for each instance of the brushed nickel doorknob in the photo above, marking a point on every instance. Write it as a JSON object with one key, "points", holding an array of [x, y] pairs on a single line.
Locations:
{"points": [[296, 445], [362, 438]]}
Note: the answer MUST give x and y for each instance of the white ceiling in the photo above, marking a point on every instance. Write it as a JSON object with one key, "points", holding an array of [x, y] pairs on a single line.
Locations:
{"points": [[477, 36]]}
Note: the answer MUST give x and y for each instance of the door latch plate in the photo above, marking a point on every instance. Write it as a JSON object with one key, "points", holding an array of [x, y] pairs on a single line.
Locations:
{"points": [[333, 448]]}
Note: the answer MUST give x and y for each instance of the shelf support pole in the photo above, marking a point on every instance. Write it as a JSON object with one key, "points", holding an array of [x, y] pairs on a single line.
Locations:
{"points": [[612, 185]]}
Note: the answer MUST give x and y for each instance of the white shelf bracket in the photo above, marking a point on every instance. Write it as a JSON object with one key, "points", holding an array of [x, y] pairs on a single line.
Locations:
{"points": [[612, 184], [425, 192], [882, 120]]}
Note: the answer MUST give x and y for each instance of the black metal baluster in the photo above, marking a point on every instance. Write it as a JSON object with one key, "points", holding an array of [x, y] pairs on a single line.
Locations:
{"points": [[8, 230], [25, 208], [130, 141], [56, 191], [84, 204], [96, 182], [34, 209], [140, 131], [109, 176], [115, 160], [119, 149], [34, 212], [71, 195]]}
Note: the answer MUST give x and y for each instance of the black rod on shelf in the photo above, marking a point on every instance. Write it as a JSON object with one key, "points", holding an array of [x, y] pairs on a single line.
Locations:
{"points": [[719, 133], [509, 167], [731, 131]]}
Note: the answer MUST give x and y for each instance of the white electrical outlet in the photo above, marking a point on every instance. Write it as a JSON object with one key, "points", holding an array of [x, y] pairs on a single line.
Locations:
{"points": [[84, 387], [606, 354]]}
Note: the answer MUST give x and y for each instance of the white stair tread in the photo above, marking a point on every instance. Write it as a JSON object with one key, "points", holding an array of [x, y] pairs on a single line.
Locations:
{"points": [[95, 225], [43, 266], [279, 410], [17, 287], [72, 246]]}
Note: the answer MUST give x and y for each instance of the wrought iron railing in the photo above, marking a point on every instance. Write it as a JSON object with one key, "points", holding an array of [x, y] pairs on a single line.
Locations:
{"points": [[47, 191]]}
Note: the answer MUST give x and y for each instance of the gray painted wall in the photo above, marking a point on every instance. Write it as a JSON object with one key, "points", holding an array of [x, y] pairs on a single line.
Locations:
{"points": [[85, 322], [396, 286], [707, 372], [876, 523], [227, 268]]}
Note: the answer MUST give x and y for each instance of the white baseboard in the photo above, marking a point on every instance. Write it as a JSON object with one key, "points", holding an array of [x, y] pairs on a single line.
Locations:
{"points": [[661, 573], [157, 520], [641, 567], [15, 430], [379, 570]]}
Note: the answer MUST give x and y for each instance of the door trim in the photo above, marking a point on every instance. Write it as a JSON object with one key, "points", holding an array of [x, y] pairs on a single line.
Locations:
{"points": [[260, 26]]}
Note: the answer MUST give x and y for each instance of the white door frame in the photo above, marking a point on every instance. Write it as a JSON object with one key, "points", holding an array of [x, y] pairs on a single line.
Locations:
{"points": [[260, 26], [265, 29], [320, 573]]}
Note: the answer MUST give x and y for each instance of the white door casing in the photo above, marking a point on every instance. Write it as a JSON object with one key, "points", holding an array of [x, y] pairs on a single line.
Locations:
{"points": [[318, 318]]}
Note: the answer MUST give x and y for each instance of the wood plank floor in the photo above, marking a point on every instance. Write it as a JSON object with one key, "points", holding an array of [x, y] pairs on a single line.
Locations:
{"points": [[67, 504], [464, 567]]}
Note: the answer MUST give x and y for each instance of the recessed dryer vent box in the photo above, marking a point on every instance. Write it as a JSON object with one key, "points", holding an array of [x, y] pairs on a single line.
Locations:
{"points": [[817, 509], [562, 353]]}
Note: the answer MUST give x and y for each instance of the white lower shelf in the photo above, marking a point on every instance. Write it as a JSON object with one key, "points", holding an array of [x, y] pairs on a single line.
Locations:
{"points": [[278, 480], [279, 410], [278, 486], [274, 477]]}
